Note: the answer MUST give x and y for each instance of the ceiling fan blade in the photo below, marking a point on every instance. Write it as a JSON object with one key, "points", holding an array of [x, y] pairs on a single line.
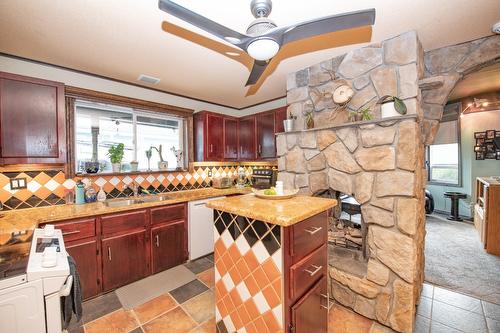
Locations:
{"points": [[203, 23], [323, 25], [258, 68]]}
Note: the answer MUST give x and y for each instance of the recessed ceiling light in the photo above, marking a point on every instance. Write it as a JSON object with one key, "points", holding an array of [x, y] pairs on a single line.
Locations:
{"points": [[148, 79]]}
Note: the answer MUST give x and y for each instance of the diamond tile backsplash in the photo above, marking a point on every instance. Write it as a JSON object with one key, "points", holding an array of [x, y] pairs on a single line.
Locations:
{"points": [[46, 188]]}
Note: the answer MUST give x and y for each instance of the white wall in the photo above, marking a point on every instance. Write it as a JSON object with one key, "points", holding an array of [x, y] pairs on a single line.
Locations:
{"points": [[68, 77]]}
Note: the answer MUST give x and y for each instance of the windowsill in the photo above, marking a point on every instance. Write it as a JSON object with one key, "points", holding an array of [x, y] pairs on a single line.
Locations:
{"points": [[124, 173], [443, 184]]}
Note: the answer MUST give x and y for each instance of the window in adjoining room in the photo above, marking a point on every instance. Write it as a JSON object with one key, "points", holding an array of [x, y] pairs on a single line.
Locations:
{"points": [[443, 156]]}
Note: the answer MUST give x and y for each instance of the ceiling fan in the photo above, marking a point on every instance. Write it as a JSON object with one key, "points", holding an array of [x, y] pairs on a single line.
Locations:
{"points": [[263, 38]]}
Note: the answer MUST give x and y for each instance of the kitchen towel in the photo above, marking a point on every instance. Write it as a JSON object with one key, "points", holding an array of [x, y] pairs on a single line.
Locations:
{"points": [[73, 302]]}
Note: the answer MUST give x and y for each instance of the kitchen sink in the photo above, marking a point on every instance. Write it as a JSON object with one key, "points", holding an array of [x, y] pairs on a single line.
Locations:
{"points": [[122, 203], [135, 201]]}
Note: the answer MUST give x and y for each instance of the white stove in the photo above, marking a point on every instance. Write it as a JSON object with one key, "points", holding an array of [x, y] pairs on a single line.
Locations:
{"points": [[31, 302]]}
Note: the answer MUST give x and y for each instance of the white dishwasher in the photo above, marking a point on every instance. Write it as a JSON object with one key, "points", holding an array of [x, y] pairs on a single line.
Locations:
{"points": [[201, 228]]}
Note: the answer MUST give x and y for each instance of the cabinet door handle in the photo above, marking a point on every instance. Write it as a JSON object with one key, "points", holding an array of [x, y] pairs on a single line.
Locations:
{"points": [[313, 272], [313, 230], [157, 237], [241, 150], [260, 149], [211, 148], [109, 253], [71, 232], [328, 303]]}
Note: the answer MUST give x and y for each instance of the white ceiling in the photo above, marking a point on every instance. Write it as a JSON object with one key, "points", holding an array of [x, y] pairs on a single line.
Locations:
{"points": [[122, 39]]}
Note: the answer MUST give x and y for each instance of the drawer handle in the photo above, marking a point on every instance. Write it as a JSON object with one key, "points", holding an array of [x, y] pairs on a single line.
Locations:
{"points": [[109, 253], [313, 230], [71, 232], [157, 241], [328, 303], [313, 272]]}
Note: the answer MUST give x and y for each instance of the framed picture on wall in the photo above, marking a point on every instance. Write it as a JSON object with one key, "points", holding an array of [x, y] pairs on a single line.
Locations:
{"points": [[490, 134], [479, 135], [479, 148], [479, 155], [497, 134], [490, 148], [479, 141]]}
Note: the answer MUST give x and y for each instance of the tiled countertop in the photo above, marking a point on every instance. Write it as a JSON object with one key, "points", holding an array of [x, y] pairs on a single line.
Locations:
{"points": [[26, 219], [281, 212]]}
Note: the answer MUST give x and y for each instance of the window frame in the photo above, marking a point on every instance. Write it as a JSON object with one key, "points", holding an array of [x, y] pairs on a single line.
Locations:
{"points": [[454, 117], [76, 93]]}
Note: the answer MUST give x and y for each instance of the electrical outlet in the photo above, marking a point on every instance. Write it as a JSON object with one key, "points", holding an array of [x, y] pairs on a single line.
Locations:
{"points": [[210, 173], [18, 183]]}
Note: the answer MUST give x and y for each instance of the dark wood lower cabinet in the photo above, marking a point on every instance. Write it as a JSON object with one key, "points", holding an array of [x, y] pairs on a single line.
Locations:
{"points": [[310, 313], [124, 259], [85, 255], [168, 248]]}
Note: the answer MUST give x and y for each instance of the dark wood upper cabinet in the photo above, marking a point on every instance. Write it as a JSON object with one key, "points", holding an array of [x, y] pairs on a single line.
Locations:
{"points": [[209, 136], [230, 138], [247, 138], [279, 116], [32, 120], [266, 143], [219, 137]]}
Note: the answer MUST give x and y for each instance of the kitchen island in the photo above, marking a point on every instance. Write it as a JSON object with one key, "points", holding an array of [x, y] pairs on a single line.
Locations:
{"points": [[271, 264]]}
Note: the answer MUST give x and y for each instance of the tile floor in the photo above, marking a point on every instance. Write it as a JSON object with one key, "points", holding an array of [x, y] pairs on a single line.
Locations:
{"points": [[190, 308]]}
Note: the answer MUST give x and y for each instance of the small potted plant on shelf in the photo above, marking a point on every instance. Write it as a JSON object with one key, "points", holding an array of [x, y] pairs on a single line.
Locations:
{"points": [[115, 153], [162, 164], [361, 114], [289, 122], [309, 117], [391, 106]]}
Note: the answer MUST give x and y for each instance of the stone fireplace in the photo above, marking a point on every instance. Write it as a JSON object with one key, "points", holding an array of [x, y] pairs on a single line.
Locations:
{"points": [[379, 163]]}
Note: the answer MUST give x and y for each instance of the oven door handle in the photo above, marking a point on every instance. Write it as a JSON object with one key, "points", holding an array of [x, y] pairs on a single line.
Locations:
{"points": [[66, 289]]}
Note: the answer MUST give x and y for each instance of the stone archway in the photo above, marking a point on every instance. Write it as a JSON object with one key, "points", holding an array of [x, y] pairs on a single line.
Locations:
{"points": [[444, 68]]}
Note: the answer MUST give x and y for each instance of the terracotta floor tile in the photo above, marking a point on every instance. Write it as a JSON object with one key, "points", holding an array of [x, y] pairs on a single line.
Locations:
{"points": [[202, 307], [207, 277], [341, 320], [115, 322], [209, 326], [175, 320], [155, 307]]}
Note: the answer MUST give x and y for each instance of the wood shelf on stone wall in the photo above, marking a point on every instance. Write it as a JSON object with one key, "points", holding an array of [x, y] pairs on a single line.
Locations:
{"points": [[392, 120]]}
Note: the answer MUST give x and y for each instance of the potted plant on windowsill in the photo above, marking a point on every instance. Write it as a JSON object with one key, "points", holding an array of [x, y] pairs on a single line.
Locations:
{"points": [[361, 114], [391, 106], [162, 164], [115, 153]]}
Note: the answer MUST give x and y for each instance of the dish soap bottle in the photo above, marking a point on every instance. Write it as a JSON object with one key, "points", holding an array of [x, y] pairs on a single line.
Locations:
{"points": [[90, 193], [79, 192], [101, 195]]}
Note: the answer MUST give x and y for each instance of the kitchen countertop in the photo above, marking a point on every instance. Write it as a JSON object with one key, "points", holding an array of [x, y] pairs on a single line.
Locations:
{"points": [[27, 219], [284, 212]]}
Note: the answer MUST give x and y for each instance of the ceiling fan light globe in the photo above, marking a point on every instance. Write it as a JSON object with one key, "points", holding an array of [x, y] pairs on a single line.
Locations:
{"points": [[263, 49]]}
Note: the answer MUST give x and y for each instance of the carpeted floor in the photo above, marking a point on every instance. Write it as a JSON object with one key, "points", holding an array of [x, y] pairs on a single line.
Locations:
{"points": [[455, 259]]}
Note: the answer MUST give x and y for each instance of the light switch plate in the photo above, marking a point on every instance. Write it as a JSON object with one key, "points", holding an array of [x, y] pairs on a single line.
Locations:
{"points": [[18, 183]]}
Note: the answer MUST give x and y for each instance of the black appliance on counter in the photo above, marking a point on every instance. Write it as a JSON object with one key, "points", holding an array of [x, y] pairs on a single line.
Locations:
{"points": [[264, 178]]}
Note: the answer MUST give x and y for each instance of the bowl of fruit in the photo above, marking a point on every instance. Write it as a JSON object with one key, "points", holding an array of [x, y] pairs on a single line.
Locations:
{"points": [[271, 194]]}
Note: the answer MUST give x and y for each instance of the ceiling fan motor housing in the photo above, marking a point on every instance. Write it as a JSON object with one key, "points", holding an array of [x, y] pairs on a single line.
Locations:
{"points": [[260, 26]]}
